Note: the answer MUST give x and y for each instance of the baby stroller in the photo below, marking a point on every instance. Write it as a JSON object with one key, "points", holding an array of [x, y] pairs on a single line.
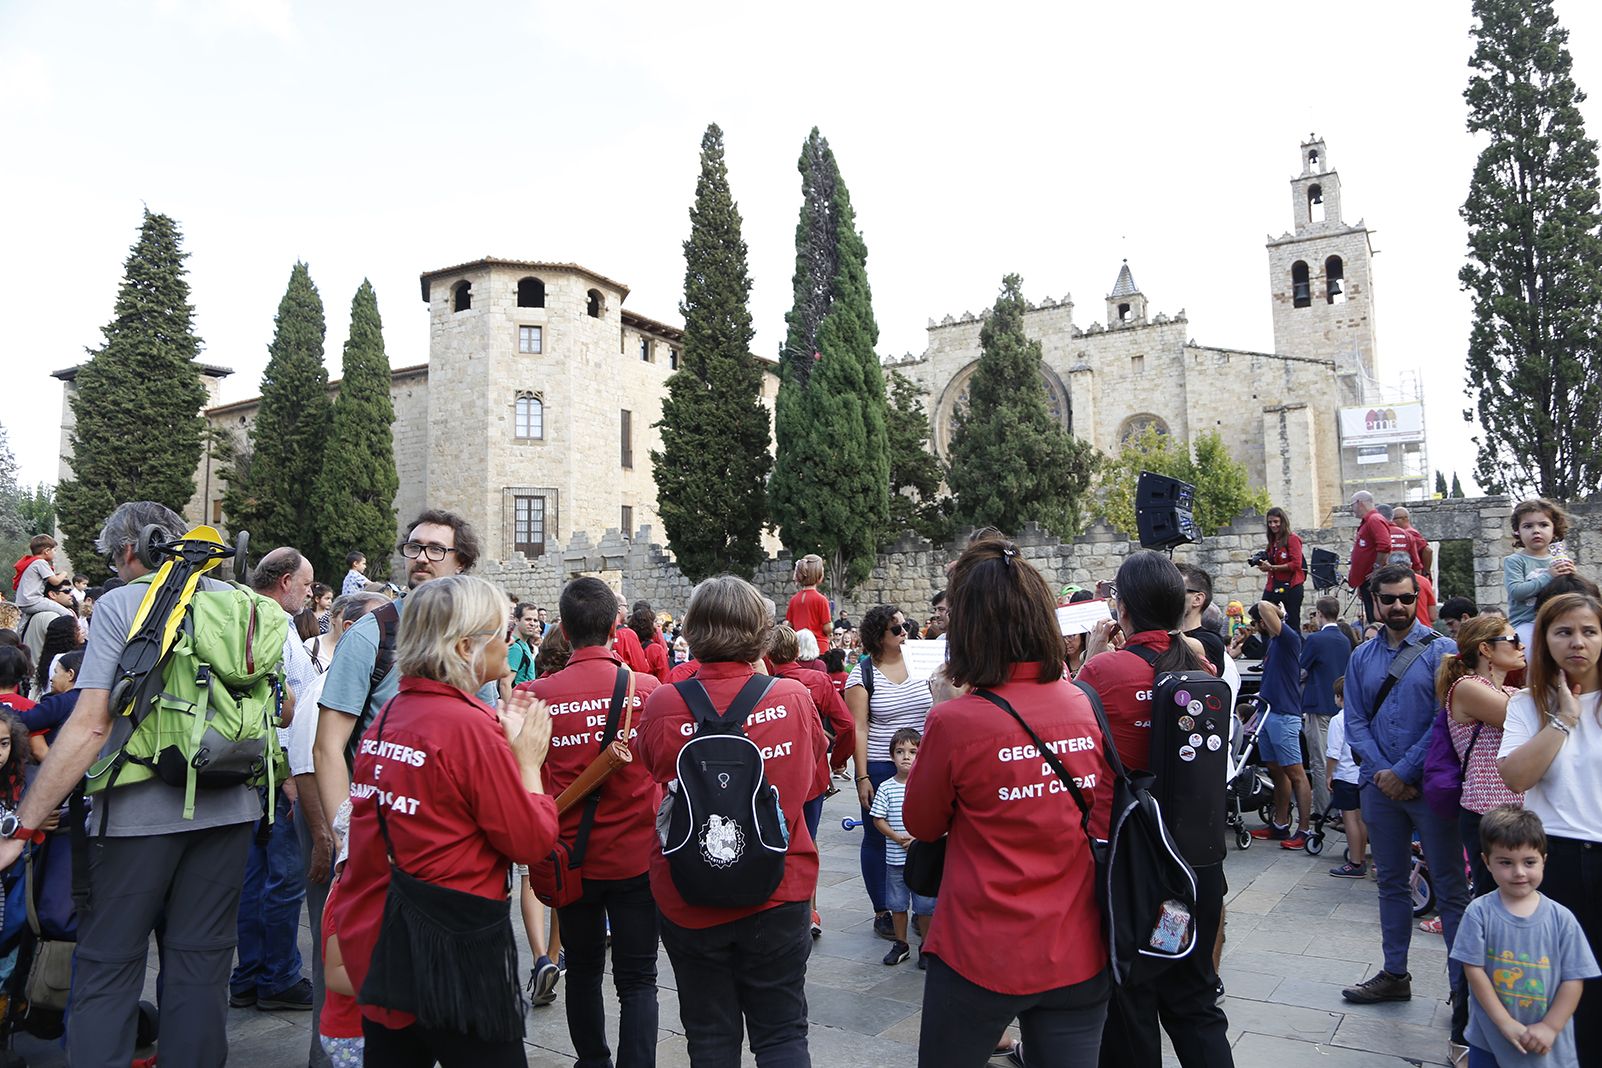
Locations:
{"points": [[1250, 787]]}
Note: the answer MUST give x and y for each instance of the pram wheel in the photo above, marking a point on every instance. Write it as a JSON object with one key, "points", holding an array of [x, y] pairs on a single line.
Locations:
{"points": [[1422, 889], [1315, 843], [1243, 838]]}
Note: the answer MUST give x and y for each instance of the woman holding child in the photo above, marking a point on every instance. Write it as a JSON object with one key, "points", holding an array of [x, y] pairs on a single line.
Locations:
{"points": [[1018, 869], [1552, 750]]}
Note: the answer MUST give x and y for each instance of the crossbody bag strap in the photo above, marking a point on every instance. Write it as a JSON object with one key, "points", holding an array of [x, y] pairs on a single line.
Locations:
{"points": [[378, 795], [1399, 666], [1047, 755], [622, 699]]}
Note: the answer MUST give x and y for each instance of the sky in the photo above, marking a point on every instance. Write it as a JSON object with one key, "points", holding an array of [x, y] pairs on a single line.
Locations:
{"points": [[380, 140]]}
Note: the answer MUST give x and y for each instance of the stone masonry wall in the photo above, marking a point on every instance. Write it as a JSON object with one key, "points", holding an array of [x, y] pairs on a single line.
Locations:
{"points": [[911, 570]]}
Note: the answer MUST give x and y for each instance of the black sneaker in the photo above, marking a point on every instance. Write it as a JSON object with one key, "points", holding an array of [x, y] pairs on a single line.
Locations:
{"points": [[298, 998], [923, 962], [1218, 993], [1381, 986], [1015, 1054], [884, 926], [899, 951], [542, 982], [242, 999]]}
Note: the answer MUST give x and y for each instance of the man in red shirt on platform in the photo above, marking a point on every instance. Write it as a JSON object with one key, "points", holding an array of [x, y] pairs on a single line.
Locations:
{"points": [[1373, 539], [621, 841], [625, 643]]}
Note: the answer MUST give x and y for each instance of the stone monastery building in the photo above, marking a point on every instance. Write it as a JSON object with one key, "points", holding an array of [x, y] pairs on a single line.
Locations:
{"points": [[534, 414]]}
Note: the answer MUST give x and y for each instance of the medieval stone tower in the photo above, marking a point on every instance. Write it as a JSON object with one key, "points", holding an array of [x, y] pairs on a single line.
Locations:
{"points": [[1321, 278]]}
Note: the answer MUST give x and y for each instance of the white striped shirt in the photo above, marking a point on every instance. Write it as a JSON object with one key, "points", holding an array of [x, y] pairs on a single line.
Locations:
{"points": [[891, 706]]}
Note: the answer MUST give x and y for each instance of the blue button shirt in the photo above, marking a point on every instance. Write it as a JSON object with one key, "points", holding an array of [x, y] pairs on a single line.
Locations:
{"points": [[1397, 735]]}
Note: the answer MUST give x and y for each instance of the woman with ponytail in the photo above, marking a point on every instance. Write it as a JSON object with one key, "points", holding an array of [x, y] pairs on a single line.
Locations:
{"points": [[1471, 685]]}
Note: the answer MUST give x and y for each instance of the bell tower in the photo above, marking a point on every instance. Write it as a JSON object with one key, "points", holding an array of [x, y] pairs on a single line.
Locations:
{"points": [[1321, 278]]}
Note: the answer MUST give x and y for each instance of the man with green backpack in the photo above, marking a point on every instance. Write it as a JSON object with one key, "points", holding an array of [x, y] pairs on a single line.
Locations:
{"points": [[180, 691]]}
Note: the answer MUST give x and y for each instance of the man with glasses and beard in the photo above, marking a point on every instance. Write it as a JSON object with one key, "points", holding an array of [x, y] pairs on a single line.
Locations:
{"points": [[1390, 707]]}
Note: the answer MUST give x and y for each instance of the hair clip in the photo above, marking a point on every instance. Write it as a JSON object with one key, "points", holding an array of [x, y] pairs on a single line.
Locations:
{"points": [[1007, 554]]}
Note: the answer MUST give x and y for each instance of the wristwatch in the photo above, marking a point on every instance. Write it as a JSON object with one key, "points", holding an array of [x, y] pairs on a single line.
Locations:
{"points": [[11, 827]]}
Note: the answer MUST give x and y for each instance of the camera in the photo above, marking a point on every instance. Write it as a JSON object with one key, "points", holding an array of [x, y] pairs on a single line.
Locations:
{"points": [[1258, 557]]}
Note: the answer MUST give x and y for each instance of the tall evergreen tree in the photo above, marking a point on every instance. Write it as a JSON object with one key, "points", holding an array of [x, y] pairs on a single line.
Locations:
{"points": [[916, 473], [355, 494], [1011, 463], [830, 414], [137, 401], [1457, 487], [1535, 259], [274, 501], [1440, 484], [714, 461]]}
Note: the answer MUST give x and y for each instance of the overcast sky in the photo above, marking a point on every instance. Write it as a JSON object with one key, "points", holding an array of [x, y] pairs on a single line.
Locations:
{"points": [[380, 140]]}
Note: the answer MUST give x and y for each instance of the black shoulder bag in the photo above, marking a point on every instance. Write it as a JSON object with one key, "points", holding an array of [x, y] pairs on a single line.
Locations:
{"points": [[445, 956]]}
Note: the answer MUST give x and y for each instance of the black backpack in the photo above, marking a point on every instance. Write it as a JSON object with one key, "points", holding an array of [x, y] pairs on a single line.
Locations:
{"points": [[1190, 713], [721, 824], [1146, 890]]}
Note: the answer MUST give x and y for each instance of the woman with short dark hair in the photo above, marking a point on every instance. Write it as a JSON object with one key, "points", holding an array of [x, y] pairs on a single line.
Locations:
{"points": [[883, 699], [1019, 872]]}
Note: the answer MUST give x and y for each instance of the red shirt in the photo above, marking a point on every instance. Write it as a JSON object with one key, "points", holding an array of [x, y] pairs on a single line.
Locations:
{"points": [[1018, 870], [580, 696], [684, 671], [630, 651], [1416, 545], [792, 740], [831, 707], [656, 655], [341, 1017], [809, 610], [457, 813], [1287, 552], [1373, 539]]}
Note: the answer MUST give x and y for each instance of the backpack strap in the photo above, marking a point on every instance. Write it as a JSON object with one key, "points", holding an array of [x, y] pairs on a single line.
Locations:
{"points": [[865, 666], [731, 720], [622, 697], [388, 617]]}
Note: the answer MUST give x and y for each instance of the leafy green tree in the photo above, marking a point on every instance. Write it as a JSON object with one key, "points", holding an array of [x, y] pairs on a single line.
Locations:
{"points": [[355, 494], [1223, 490], [1535, 259], [1457, 487], [1455, 566], [287, 439], [137, 401], [1440, 484], [916, 473], [713, 465], [830, 413], [1011, 462]]}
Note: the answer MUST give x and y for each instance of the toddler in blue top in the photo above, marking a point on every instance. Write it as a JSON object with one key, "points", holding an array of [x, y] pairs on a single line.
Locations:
{"points": [[1539, 527]]}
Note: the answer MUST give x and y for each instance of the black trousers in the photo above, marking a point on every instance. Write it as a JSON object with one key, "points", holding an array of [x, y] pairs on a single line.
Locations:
{"points": [[1574, 880], [1181, 999], [628, 904], [961, 1020], [424, 1047], [1289, 598], [750, 971]]}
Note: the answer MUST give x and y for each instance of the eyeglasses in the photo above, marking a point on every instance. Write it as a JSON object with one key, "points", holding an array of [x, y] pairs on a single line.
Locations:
{"points": [[413, 549], [1392, 598], [1512, 639]]}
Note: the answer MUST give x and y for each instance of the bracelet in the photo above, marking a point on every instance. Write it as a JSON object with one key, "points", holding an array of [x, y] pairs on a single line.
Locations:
{"points": [[1562, 728], [863, 778]]}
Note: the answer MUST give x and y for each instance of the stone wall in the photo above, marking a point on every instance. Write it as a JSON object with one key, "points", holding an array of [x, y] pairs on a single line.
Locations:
{"points": [[911, 570]]}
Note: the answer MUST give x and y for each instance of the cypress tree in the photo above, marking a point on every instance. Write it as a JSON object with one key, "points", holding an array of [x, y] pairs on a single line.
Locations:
{"points": [[1440, 485], [137, 401], [711, 470], [830, 415], [916, 503], [1535, 259], [1010, 461], [355, 495], [1457, 487], [274, 498]]}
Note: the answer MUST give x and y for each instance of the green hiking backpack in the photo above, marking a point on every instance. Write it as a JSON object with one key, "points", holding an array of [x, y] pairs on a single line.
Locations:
{"points": [[206, 718]]}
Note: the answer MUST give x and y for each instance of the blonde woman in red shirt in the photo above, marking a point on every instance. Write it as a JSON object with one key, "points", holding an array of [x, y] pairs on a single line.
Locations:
{"points": [[1019, 872]]}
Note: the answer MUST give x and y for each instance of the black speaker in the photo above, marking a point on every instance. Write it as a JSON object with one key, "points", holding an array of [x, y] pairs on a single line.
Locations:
{"points": [[1323, 569], [1163, 511]]}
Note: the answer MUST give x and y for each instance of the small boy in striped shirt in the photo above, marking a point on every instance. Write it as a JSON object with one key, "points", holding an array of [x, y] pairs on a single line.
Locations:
{"points": [[886, 814]]}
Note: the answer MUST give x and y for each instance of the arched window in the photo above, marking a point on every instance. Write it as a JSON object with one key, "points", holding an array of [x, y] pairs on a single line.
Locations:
{"points": [[1301, 291], [530, 293], [530, 417], [1124, 313], [1136, 425], [1315, 203], [1334, 281], [597, 304], [461, 296], [1313, 163]]}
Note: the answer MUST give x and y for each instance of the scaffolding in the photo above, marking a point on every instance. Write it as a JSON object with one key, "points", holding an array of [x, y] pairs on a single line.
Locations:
{"points": [[1383, 446]]}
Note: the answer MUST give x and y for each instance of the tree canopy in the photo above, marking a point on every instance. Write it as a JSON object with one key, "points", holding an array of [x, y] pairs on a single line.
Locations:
{"points": [[1223, 490]]}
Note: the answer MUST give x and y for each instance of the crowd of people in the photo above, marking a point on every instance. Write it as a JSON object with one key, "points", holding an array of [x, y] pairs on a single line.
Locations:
{"points": [[634, 779]]}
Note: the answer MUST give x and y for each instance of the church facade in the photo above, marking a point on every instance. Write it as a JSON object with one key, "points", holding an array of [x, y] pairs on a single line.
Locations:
{"points": [[1277, 412]]}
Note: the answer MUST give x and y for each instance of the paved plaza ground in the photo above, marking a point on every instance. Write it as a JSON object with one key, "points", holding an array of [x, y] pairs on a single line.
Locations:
{"points": [[1295, 937]]}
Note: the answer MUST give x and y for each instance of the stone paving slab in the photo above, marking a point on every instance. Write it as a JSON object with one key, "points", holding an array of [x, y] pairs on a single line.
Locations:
{"points": [[1295, 936]]}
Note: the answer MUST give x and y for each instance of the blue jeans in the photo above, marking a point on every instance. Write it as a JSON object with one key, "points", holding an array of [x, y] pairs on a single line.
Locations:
{"points": [[269, 909], [1391, 825], [898, 895], [873, 841]]}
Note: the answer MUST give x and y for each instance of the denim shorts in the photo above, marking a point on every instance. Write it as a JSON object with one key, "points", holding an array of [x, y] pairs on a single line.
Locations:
{"points": [[1280, 741], [897, 894], [1345, 796]]}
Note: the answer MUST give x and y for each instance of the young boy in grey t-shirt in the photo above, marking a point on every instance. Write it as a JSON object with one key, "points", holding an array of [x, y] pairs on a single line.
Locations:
{"points": [[1524, 955]]}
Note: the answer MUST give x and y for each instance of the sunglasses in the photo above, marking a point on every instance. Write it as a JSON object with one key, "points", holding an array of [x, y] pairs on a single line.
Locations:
{"points": [[1512, 639], [1392, 598]]}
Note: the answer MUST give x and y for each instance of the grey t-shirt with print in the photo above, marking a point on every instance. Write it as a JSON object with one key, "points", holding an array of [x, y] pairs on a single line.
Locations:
{"points": [[150, 806], [1526, 958]]}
